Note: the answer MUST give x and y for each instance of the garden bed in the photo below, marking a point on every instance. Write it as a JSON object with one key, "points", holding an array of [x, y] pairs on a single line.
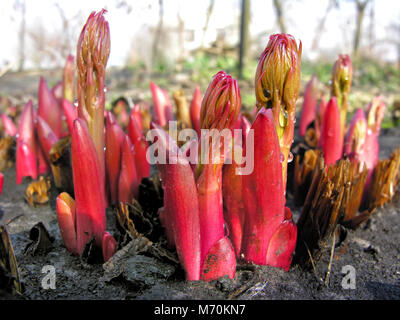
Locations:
{"points": [[149, 271]]}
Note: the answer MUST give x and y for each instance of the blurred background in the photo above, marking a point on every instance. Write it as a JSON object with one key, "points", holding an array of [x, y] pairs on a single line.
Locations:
{"points": [[187, 41]]}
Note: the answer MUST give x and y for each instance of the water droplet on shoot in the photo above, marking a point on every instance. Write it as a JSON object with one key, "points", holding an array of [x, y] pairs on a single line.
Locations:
{"points": [[283, 118], [290, 157]]}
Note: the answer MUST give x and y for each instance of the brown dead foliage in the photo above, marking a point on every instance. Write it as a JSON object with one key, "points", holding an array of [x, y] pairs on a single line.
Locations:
{"points": [[37, 193], [7, 150], [60, 161], [385, 180], [333, 198]]}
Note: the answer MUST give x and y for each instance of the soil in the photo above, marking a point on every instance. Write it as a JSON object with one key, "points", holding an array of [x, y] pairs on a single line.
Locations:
{"points": [[144, 271]]}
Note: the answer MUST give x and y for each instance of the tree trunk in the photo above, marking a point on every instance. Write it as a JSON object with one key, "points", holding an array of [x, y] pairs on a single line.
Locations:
{"points": [[158, 32], [181, 40], [21, 36], [321, 24], [208, 15], [244, 36], [279, 15], [360, 5], [371, 31]]}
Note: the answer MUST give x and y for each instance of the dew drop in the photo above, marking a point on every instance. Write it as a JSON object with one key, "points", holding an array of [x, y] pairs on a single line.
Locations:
{"points": [[290, 157], [281, 158], [283, 117]]}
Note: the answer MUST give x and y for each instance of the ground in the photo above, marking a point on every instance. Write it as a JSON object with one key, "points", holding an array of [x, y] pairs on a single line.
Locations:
{"points": [[145, 272]]}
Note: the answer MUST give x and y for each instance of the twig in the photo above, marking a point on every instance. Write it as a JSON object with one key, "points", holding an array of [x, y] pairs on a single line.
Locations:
{"points": [[14, 218], [312, 263], [257, 288], [239, 291], [242, 289], [330, 260]]}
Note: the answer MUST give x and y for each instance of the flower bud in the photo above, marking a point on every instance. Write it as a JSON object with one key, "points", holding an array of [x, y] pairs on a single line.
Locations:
{"points": [[221, 103], [92, 54], [342, 75], [277, 79], [277, 84]]}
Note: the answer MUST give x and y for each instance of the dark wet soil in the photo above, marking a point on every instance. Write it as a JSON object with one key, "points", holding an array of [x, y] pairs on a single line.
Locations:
{"points": [[372, 250]]}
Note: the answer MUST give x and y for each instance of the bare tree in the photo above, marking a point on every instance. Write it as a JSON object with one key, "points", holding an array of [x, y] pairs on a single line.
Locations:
{"points": [[65, 36], [244, 36], [181, 32], [19, 5], [278, 5], [208, 15], [360, 6], [371, 29], [158, 32], [40, 43], [394, 39], [51, 46], [321, 25]]}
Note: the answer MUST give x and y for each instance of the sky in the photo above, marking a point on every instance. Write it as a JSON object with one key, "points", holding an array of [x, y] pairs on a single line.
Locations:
{"points": [[302, 18]]}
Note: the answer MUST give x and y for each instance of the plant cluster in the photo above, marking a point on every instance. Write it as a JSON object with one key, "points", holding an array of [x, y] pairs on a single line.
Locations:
{"points": [[214, 212]]}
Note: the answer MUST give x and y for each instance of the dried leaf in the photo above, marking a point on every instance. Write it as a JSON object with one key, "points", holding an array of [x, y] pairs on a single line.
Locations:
{"points": [[37, 193], [385, 180], [124, 220], [303, 172], [9, 275], [310, 137], [41, 241], [7, 152], [60, 159], [353, 193]]}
